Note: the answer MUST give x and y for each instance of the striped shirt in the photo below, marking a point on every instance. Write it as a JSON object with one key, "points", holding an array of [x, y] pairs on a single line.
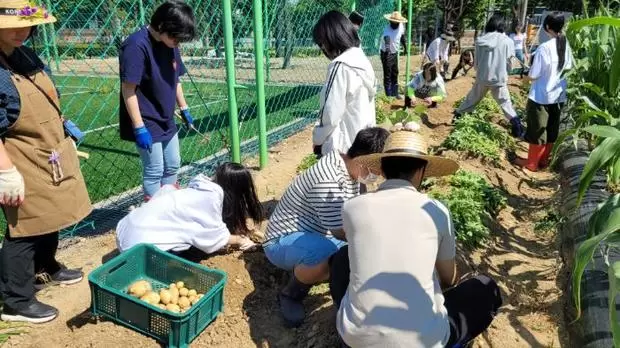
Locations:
{"points": [[313, 202]]}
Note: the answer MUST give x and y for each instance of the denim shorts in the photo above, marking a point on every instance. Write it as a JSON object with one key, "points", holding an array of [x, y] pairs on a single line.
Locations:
{"points": [[301, 248]]}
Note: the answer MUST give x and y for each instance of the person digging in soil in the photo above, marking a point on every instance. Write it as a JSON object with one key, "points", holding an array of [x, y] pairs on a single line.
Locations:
{"points": [[208, 215], [466, 62], [150, 66], [347, 100], [438, 52], [394, 284], [493, 52], [391, 40], [300, 233], [426, 85], [41, 186], [547, 95]]}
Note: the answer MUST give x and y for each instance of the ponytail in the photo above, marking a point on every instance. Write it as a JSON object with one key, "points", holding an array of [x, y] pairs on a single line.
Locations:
{"points": [[561, 49]]}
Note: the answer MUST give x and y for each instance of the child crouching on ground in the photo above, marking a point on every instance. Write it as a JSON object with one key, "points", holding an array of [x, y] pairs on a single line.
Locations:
{"points": [[426, 85], [209, 214]]}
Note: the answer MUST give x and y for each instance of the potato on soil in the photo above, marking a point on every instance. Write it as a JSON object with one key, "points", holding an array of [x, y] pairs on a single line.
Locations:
{"points": [[139, 288], [183, 292]]}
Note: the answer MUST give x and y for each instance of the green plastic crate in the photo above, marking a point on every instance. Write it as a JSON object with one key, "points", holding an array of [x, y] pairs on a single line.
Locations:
{"points": [[109, 298]]}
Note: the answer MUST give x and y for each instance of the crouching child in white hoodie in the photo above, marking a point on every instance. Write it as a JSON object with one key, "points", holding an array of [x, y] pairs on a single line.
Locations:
{"points": [[209, 214], [348, 96]]}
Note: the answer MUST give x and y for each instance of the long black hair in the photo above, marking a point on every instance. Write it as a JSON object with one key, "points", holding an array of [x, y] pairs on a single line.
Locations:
{"points": [[495, 24], [554, 22], [240, 198], [334, 33]]}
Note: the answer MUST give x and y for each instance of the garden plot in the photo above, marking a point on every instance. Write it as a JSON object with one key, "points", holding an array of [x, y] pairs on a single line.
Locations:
{"points": [[513, 249]]}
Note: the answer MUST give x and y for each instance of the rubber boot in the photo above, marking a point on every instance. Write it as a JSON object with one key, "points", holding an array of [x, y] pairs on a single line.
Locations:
{"points": [[545, 159], [517, 130], [291, 301], [534, 155]]}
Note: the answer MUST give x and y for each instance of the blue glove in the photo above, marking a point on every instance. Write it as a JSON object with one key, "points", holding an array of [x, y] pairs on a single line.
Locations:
{"points": [[187, 117], [143, 138]]}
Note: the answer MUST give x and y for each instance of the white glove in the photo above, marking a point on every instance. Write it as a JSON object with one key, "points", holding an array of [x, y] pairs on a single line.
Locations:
{"points": [[246, 244], [11, 187]]}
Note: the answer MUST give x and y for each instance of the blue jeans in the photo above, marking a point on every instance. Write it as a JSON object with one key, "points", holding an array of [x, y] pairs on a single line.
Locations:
{"points": [[520, 56], [301, 248], [160, 166]]}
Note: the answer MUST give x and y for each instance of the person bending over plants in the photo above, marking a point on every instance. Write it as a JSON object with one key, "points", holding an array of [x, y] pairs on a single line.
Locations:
{"points": [[300, 233], [208, 215], [395, 282], [426, 85], [466, 62], [493, 52], [547, 95], [150, 67]]}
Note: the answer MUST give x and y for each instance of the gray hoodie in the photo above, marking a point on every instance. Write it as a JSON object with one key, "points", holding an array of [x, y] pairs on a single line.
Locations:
{"points": [[493, 52]]}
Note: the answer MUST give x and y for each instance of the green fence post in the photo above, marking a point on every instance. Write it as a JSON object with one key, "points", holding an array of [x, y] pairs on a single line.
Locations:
{"points": [[233, 115], [52, 38], [46, 44], [353, 5], [399, 6], [409, 43], [142, 14], [257, 8], [267, 49]]}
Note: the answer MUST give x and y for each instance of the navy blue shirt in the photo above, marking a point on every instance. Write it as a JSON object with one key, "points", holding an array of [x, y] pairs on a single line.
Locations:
{"points": [[155, 69], [23, 61]]}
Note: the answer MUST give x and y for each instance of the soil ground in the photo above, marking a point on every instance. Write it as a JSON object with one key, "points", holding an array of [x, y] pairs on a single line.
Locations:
{"points": [[526, 264]]}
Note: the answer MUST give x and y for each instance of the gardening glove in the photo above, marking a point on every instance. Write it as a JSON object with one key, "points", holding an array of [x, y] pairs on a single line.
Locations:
{"points": [[143, 138], [246, 244], [11, 187], [187, 117]]}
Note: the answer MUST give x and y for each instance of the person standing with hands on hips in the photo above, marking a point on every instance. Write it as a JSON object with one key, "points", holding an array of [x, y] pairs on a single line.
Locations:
{"points": [[42, 189], [150, 68]]}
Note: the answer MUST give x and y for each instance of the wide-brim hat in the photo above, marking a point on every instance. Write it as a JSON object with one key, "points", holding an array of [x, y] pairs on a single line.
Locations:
{"points": [[395, 17], [23, 14], [407, 143], [448, 36]]}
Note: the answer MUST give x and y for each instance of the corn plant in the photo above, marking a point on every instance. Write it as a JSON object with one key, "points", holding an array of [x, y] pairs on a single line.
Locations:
{"points": [[595, 108]]}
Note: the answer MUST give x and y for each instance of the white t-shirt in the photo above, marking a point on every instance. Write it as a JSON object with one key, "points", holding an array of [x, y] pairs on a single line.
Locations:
{"points": [[439, 49], [548, 85], [518, 40], [395, 35], [178, 220], [394, 299], [313, 202]]}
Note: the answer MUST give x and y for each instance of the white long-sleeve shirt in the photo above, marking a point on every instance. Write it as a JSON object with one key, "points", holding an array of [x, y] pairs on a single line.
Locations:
{"points": [[438, 49], [178, 220], [347, 102]]}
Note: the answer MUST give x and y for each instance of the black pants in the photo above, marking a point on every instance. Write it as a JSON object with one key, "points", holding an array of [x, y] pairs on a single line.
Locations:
{"points": [[20, 260], [471, 305], [543, 122], [390, 73]]}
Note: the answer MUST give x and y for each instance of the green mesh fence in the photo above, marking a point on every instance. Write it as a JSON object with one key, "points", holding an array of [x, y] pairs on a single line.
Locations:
{"points": [[81, 49]]}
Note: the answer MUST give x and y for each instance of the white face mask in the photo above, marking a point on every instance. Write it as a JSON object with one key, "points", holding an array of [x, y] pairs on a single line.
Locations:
{"points": [[369, 179]]}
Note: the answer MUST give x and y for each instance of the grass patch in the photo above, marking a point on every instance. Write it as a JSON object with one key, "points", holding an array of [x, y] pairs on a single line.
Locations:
{"points": [[470, 199], [549, 223], [475, 135], [306, 163]]}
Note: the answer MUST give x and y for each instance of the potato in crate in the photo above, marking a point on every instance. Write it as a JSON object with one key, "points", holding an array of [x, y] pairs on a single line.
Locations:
{"points": [[158, 294]]}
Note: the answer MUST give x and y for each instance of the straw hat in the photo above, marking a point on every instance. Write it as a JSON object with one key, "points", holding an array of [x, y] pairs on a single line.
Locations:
{"points": [[395, 17], [23, 14], [407, 143]]}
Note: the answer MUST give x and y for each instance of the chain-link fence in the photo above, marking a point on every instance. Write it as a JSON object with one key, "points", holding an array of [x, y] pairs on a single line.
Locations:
{"points": [[82, 52]]}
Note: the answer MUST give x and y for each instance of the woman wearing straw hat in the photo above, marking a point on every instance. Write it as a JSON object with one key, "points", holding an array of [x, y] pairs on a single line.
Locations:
{"points": [[41, 187], [395, 281], [393, 36]]}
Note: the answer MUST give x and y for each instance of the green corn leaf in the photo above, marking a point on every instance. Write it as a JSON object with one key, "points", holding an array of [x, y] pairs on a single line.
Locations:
{"points": [[582, 259], [614, 74], [599, 159], [603, 131], [607, 212], [614, 289], [577, 25], [614, 170], [589, 102]]}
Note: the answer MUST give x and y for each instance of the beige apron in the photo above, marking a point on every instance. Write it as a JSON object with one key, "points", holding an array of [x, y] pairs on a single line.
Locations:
{"points": [[55, 192]]}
